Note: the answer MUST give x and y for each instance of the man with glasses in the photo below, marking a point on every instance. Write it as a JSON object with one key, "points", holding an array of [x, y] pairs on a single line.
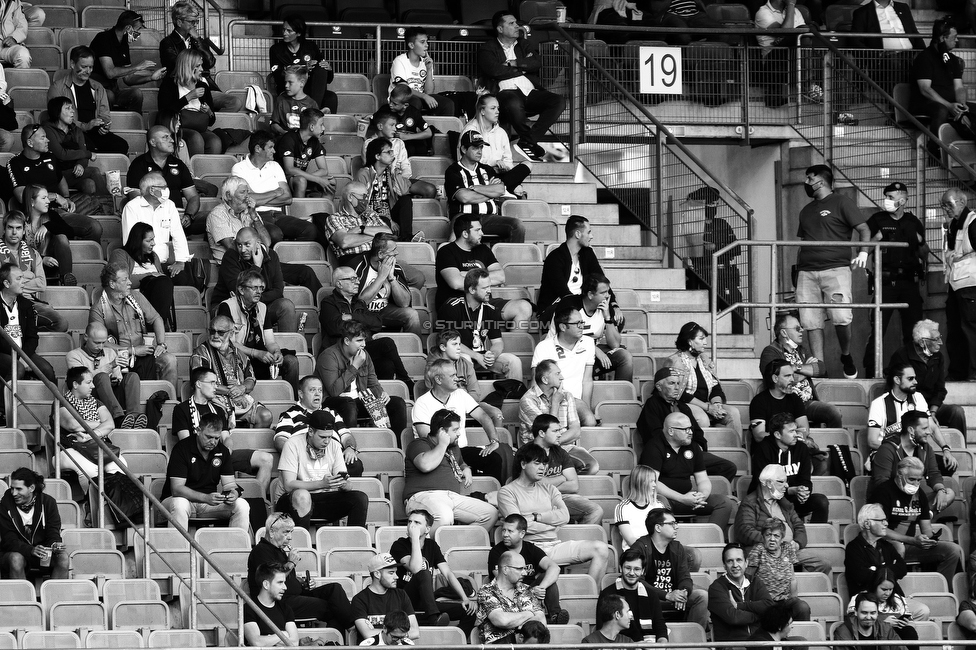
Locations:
{"points": [[665, 570], [396, 631], [384, 286], [647, 624], [678, 459], [788, 345], [253, 335], [959, 230], [871, 552], [734, 601], [506, 603], [663, 403], [350, 230], [575, 354], [113, 63], [925, 355], [770, 501], [906, 506], [161, 157], [135, 329]]}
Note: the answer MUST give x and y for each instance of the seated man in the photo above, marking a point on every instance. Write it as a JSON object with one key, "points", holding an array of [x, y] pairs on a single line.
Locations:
{"points": [[118, 391], [910, 520], [381, 596], [128, 316], [396, 630], [476, 319], [30, 540], [509, 68], [935, 79], [384, 286], [14, 249], [614, 617], [886, 17], [419, 556], [561, 472], [647, 623], [295, 421], [476, 189], [865, 624], [326, 602], [253, 335], [234, 376], [18, 320], [593, 303], [299, 147], [781, 448], [435, 472], [315, 478], [204, 399], [344, 304], [506, 603], [351, 229], [926, 357], [200, 478], [161, 157], [271, 582], [913, 441], [735, 602], [770, 501], [113, 63], [530, 495], [495, 458], [575, 355], [234, 212], [351, 387]]}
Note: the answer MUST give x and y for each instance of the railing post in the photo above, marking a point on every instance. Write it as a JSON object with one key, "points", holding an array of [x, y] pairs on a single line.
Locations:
{"points": [[147, 519], [828, 102], [876, 313], [101, 488], [745, 94], [194, 569], [774, 278], [379, 50], [659, 182], [13, 388], [54, 445]]}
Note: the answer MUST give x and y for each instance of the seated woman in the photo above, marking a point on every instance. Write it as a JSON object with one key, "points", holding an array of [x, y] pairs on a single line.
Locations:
{"points": [[498, 153], [388, 192], [145, 270], [47, 233], [186, 94], [80, 451], [893, 606], [67, 146], [447, 345], [295, 49]]}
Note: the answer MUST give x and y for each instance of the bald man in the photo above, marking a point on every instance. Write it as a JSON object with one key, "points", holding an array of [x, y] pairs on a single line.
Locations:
{"points": [[350, 230], [960, 266], [118, 391], [506, 603], [161, 157]]}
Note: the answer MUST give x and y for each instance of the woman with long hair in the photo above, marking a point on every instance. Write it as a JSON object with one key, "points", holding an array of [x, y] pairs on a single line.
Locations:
{"points": [[187, 94], [894, 608], [498, 153], [294, 48], [641, 498], [48, 234], [67, 146], [145, 270]]}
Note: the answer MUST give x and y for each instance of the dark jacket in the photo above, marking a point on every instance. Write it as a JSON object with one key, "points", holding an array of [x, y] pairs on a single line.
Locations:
{"points": [[232, 265], [680, 576], [650, 424], [337, 373], [736, 622], [264, 552], [767, 453], [931, 373], [334, 307], [45, 525], [882, 632], [171, 46], [28, 327], [170, 102], [753, 511], [556, 270], [68, 148], [884, 465], [865, 20], [862, 562], [492, 66]]}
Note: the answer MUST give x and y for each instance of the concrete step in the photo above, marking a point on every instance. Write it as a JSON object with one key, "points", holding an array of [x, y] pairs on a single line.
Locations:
{"points": [[552, 169], [668, 298], [670, 322], [660, 355], [567, 191], [622, 238], [623, 274], [661, 340], [961, 392], [738, 368], [597, 213]]}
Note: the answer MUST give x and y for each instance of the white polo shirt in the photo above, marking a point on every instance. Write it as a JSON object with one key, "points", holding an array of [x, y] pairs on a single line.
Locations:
{"points": [[261, 180], [460, 401], [572, 362]]}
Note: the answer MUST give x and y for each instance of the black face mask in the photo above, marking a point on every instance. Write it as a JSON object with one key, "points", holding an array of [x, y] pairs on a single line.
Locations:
{"points": [[808, 188]]}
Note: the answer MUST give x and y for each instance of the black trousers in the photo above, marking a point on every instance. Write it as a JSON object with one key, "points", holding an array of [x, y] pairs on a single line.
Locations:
{"points": [[898, 291], [331, 506], [957, 345], [327, 603], [420, 589], [817, 505]]}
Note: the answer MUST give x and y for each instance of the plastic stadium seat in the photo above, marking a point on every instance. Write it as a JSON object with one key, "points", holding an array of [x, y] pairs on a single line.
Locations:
{"points": [[348, 562], [356, 102], [176, 639], [527, 274], [228, 547], [121, 639], [461, 535], [11, 459], [221, 611], [469, 561], [273, 390], [235, 80], [686, 633], [527, 210], [30, 98], [597, 486], [386, 535], [565, 634], [447, 636], [825, 607], [913, 583], [694, 533], [30, 77], [349, 82], [622, 412], [92, 554], [524, 253], [216, 164], [429, 166], [808, 582], [299, 251], [140, 615], [127, 120], [64, 639]]}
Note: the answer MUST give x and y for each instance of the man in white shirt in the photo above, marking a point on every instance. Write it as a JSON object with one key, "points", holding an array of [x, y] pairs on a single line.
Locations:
{"points": [[415, 68], [154, 208], [235, 211], [575, 354], [891, 65], [270, 191]]}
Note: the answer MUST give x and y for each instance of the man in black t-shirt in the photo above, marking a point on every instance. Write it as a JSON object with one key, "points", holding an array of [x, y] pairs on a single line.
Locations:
{"points": [[380, 596], [160, 157], [419, 556], [902, 269], [295, 149], [200, 478], [541, 572], [113, 63], [465, 253], [779, 377], [271, 577]]}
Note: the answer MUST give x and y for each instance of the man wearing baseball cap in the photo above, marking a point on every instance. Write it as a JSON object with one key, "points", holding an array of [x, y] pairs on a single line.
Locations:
{"points": [[381, 596], [474, 188], [664, 401], [113, 63], [315, 478], [902, 269]]}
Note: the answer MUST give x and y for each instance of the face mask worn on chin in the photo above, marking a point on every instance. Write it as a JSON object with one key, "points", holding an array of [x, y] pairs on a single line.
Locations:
{"points": [[889, 205], [778, 494]]}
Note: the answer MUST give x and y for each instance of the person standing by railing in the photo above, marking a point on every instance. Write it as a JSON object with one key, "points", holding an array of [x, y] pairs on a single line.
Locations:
{"points": [[959, 258]]}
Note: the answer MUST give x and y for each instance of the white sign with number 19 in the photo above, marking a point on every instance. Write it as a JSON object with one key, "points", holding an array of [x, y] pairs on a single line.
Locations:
{"points": [[660, 70]]}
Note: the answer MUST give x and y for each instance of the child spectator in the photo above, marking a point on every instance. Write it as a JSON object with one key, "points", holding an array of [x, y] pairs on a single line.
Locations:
{"points": [[384, 124], [411, 127], [415, 68], [773, 562], [292, 101], [301, 146]]}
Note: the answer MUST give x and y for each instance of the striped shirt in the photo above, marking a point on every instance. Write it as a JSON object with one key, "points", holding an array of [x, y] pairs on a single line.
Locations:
{"points": [[457, 177], [294, 421]]}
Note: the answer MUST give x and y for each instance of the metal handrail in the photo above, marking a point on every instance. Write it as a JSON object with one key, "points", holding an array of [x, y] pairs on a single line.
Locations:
{"points": [[105, 451], [218, 49], [774, 305]]}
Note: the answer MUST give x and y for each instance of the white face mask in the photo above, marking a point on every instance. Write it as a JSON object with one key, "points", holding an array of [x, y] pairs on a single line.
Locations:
{"points": [[164, 194], [889, 205], [777, 494], [789, 344], [910, 489]]}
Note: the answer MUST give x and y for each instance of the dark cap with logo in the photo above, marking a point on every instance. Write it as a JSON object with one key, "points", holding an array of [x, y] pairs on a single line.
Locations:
{"points": [[472, 139], [896, 187]]}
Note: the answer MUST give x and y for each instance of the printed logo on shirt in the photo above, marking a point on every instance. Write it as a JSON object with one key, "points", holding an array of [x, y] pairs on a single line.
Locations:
{"points": [[50, 166], [175, 171], [825, 213], [408, 122], [909, 509], [662, 575], [217, 462], [688, 454], [375, 620]]}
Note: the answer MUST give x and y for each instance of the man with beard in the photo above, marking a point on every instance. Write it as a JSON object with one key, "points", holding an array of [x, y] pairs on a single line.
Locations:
{"points": [[863, 624], [272, 585], [161, 157], [825, 273], [781, 448], [926, 356], [735, 602], [91, 102], [381, 596], [913, 441], [664, 401], [647, 624], [885, 413]]}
